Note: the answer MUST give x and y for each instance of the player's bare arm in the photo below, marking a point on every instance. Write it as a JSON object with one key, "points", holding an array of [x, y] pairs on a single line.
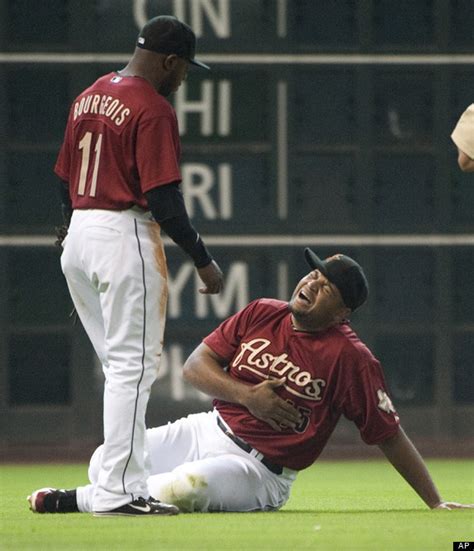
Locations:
{"points": [[204, 369], [403, 455]]}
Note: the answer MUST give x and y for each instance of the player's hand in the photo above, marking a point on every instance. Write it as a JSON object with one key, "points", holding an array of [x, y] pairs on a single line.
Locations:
{"points": [[449, 505], [265, 404], [212, 278]]}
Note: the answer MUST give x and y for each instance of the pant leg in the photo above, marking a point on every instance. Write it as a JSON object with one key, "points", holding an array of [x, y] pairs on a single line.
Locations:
{"points": [[228, 482], [84, 295], [118, 254], [198, 468]]}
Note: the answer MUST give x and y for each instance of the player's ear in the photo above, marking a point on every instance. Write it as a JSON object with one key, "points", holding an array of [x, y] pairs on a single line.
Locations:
{"points": [[170, 62]]}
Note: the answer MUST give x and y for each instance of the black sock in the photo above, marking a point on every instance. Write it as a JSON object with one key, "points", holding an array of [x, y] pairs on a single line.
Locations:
{"points": [[62, 501]]}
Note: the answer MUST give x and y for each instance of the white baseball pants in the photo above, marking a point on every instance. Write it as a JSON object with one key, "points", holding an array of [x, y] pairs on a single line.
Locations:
{"points": [[115, 269], [195, 466]]}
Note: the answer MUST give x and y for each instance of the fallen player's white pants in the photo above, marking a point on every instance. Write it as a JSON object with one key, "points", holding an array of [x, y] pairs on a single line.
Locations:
{"points": [[195, 466]]}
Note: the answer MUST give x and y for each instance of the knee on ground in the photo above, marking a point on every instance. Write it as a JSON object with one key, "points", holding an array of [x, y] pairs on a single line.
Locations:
{"points": [[186, 490]]}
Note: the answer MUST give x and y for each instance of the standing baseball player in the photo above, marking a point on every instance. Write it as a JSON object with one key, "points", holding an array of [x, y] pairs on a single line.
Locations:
{"points": [[119, 161], [293, 370]]}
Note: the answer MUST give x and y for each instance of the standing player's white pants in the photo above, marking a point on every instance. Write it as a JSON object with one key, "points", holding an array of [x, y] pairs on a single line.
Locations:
{"points": [[195, 466], [115, 269]]}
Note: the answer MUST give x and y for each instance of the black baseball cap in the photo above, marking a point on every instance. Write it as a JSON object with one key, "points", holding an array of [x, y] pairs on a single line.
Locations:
{"points": [[346, 274], [167, 35]]}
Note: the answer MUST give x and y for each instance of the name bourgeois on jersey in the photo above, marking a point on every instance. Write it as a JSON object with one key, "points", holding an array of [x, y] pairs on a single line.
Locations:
{"points": [[102, 104]]}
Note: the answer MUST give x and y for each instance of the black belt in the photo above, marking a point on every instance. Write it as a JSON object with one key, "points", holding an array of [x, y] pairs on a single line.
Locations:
{"points": [[248, 448]]}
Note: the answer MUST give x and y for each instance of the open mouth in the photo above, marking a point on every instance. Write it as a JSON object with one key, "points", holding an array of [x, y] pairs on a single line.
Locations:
{"points": [[303, 297]]}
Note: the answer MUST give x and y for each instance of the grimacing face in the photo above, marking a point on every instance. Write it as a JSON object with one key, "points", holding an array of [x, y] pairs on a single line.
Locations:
{"points": [[316, 303]]}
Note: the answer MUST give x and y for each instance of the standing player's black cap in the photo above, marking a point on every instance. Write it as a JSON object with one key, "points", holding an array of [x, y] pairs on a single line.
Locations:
{"points": [[346, 274], [167, 35]]}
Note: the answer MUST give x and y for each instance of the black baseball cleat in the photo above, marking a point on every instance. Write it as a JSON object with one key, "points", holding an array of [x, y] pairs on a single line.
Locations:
{"points": [[50, 500], [140, 507]]}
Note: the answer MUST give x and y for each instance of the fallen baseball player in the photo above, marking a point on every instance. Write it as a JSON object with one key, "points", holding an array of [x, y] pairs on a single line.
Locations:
{"points": [[281, 374]]}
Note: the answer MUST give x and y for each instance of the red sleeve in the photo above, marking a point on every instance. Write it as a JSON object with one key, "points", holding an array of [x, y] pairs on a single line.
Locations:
{"points": [[158, 152], [225, 340], [368, 404]]}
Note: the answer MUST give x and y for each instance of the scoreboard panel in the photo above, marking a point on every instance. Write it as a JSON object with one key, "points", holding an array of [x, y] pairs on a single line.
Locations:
{"points": [[324, 124]]}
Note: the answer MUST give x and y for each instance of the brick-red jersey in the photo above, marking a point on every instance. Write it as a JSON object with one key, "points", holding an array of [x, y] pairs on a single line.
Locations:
{"points": [[327, 374], [121, 140]]}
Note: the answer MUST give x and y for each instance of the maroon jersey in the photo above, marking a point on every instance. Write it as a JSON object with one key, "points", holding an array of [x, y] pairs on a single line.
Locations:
{"points": [[121, 140], [327, 374]]}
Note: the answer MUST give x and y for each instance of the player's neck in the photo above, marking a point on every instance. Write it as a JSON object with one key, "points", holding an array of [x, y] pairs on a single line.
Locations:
{"points": [[132, 70], [303, 327], [138, 68]]}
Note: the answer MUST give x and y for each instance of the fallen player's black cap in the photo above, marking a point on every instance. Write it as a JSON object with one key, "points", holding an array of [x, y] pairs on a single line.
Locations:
{"points": [[167, 35], [346, 274]]}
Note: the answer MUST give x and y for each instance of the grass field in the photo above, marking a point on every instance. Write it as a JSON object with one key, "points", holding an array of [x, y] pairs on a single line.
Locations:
{"points": [[340, 506]]}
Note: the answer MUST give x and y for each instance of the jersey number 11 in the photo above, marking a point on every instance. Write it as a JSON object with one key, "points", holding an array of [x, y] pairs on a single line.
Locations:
{"points": [[85, 148]]}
